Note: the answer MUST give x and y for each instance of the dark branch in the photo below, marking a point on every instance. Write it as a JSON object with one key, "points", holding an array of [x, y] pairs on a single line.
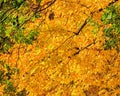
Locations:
{"points": [[80, 29], [79, 50]]}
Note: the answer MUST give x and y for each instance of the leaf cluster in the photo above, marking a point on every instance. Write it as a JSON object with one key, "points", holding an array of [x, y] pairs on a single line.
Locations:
{"points": [[111, 19], [14, 16], [6, 74], [6, 80], [94, 24]]}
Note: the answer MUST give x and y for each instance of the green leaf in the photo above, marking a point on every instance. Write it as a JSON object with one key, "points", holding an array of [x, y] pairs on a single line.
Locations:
{"points": [[95, 30], [109, 44], [22, 19], [20, 1], [5, 1], [6, 67], [9, 87], [17, 3], [15, 70], [111, 19], [8, 32], [108, 32], [38, 1], [1, 76]]}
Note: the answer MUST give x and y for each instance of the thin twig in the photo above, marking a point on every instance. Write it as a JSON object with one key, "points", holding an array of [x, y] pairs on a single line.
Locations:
{"points": [[79, 50]]}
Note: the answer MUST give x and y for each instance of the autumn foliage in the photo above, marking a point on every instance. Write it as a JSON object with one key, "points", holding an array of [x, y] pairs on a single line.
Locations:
{"points": [[60, 48]]}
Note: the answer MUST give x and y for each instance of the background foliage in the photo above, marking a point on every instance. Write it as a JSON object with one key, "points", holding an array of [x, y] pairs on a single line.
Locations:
{"points": [[14, 15], [66, 60], [111, 19]]}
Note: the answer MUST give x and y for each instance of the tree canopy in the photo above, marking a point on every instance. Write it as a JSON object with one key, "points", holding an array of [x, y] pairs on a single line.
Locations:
{"points": [[59, 48]]}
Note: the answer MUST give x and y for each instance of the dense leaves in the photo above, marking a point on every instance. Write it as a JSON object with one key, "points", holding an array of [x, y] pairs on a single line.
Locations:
{"points": [[14, 15], [6, 79], [66, 60], [6, 73], [111, 19]]}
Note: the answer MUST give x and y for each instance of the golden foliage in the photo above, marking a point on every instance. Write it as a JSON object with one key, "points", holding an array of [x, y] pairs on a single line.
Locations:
{"points": [[50, 67]]}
